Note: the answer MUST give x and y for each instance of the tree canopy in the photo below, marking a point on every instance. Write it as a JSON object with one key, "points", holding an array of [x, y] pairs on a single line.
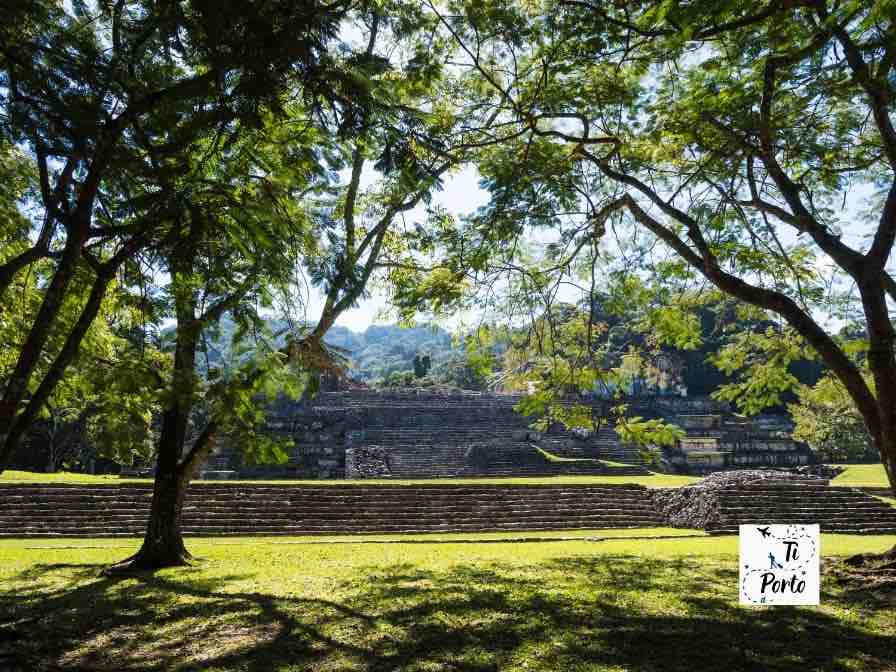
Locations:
{"points": [[746, 149]]}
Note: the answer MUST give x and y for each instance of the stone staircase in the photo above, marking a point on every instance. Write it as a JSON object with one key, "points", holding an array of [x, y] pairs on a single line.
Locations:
{"points": [[510, 458], [423, 433], [432, 435], [842, 510], [565, 446], [254, 509], [610, 447], [499, 447]]}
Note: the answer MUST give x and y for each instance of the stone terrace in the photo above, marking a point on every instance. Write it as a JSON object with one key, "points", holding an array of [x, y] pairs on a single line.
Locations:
{"points": [[253, 509], [427, 433], [843, 510], [411, 434]]}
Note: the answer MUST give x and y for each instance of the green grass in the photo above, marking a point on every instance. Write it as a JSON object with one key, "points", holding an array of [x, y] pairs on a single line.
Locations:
{"points": [[610, 603], [550, 457], [889, 500], [14, 476], [651, 481], [856, 475], [862, 476]]}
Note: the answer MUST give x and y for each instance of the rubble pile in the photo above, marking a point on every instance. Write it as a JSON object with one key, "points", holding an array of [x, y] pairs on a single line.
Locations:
{"points": [[828, 471], [697, 505], [367, 462]]}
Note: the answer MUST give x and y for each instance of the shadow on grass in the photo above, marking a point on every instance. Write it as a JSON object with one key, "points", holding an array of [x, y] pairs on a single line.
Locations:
{"points": [[617, 612]]}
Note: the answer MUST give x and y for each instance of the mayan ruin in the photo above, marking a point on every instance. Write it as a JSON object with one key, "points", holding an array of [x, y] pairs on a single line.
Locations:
{"points": [[418, 433], [447, 336]]}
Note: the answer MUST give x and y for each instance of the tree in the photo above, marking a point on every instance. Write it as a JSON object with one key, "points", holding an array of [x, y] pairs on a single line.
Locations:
{"points": [[729, 134], [243, 215], [236, 237], [91, 382], [421, 365], [85, 89], [407, 137], [565, 354]]}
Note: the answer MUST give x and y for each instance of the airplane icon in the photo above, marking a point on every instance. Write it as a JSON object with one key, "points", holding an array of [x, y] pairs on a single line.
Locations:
{"points": [[764, 531]]}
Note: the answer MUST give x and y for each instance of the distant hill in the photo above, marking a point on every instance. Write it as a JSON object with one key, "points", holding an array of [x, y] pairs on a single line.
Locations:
{"points": [[375, 352], [383, 349]]}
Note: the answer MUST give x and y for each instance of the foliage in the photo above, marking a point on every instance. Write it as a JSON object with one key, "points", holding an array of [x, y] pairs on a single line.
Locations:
{"points": [[400, 379], [761, 362], [111, 102], [381, 350], [653, 431], [422, 365], [566, 355], [827, 419], [694, 147]]}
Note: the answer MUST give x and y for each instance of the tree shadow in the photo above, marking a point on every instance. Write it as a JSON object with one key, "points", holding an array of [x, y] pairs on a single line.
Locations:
{"points": [[619, 612]]}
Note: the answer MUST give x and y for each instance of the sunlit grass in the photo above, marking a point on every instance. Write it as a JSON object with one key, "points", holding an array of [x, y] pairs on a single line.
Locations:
{"points": [[651, 481], [856, 475], [16, 476], [608, 603], [863, 476]]}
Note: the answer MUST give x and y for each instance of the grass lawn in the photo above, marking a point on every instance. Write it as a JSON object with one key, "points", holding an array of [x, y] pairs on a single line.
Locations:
{"points": [[856, 475], [651, 481], [15, 476], [863, 476], [608, 602]]}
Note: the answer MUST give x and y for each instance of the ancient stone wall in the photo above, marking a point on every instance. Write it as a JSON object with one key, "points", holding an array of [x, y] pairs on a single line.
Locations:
{"points": [[415, 433]]}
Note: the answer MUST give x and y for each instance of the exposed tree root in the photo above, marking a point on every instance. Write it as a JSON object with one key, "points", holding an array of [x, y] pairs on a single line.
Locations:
{"points": [[872, 571], [862, 559], [149, 560]]}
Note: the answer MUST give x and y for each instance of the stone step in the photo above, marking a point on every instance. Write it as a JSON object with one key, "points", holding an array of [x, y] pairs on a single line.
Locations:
{"points": [[806, 506], [823, 492], [308, 488], [752, 502], [234, 509], [347, 519], [336, 526], [347, 499], [762, 520], [303, 531], [784, 486], [335, 515], [807, 518], [834, 509], [458, 509], [830, 529]]}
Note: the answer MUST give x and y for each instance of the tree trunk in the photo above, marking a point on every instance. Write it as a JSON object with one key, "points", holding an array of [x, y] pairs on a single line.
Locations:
{"points": [[57, 369], [885, 442], [888, 457], [163, 545]]}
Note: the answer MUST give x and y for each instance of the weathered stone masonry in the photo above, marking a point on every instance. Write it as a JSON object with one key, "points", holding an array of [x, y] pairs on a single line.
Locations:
{"points": [[413, 433]]}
